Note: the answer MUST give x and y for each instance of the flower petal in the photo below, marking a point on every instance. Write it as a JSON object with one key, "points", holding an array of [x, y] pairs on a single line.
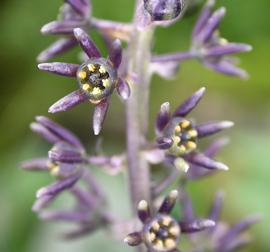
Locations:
{"points": [[64, 216], [44, 132], [123, 89], [169, 202], [229, 48], [61, 27], [216, 207], [163, 116], [188, 105], [64, 69], [133, 239], [86, 43], [62, 133], [99, 115], [143, 211], [115, 54], [212, 128], [196, 225], [60, 46], [68, 102], [82, 7], [38, 164]]}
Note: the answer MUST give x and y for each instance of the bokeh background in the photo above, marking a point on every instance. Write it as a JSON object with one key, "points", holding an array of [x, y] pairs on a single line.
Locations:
{"points": [[26, 92]]}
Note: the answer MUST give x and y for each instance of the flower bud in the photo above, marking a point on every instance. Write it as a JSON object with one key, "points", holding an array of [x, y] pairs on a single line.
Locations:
{"points": [[164, 9]]}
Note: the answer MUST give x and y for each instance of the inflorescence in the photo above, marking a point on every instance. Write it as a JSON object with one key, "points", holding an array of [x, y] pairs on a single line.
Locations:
{"points": [[178, 137]]}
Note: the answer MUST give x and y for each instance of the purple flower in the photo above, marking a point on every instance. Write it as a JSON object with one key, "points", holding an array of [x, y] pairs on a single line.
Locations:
{"points": [[65, 161], [97, 79], [208, 47], [73, 14], [179, 136], [221, 237], [161, 231]]}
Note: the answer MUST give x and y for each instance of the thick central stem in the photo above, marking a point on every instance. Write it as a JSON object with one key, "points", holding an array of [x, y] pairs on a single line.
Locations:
{"points": [[137, 115]]}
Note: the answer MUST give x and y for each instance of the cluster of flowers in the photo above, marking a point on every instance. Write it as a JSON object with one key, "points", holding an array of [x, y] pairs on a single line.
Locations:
{"points": [[177, 140]]}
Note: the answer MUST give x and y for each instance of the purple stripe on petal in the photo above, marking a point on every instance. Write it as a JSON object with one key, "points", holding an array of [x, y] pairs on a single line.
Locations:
{"points": [[115, 54], [64, 69], [188, 105], [212, 128], [58, 186], [86, 43], [206, 162], [68, 102], [60, 131], [228, 68], [204, 16], [196, 225], [44, 132], [123, 89], [61, 27], [211, 25], [60, 46], [230, 48], [99, 115], [64, 216], [163, 116], [38, 164]]}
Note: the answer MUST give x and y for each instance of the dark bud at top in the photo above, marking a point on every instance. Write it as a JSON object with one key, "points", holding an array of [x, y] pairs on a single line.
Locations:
{"points": [[164, 9]]}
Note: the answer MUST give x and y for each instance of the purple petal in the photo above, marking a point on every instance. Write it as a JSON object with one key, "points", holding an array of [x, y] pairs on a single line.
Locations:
{"points": [[38, 164], [44, 132], [236, 244], [99, 115], [237, 229], [68, 102], [213, 148], [59, 154], [212, 128], [216, 207], [82, 7], [190, 103], [169, 202], [211, 25], [61, 27], [196, 225], [86, 43], [85, 198], [133, 239], [206, 162], [58, 186], [187, 211], [64, 69], [115, 54], [59, 47], [42, 202], [230, 48], [228, 68], [143, 211], [163, 116], [61, 132], [123, 89], [204, 16], [64, 216]]}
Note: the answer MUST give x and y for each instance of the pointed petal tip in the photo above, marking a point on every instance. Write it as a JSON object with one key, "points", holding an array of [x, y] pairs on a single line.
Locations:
{"points": [[174, 194], [41, 192], [143, 205], [78, 32], [227, 124], [221, 166], [44, 66], [209, 223]]}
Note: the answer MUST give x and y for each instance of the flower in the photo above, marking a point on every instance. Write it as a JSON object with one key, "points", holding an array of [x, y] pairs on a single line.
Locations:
{"points": [[72, 14], [164, 9], [65, 161], [209, 47], [179, 136], [161, 231], [221, 237], [97, 79]]}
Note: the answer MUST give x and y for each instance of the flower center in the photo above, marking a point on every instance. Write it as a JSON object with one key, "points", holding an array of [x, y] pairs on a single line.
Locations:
{"points": [[184, 137], [97, 79], [162, 233]]}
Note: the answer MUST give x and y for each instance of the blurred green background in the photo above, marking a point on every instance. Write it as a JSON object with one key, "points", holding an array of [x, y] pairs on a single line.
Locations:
{"points": [[26, 92]]}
